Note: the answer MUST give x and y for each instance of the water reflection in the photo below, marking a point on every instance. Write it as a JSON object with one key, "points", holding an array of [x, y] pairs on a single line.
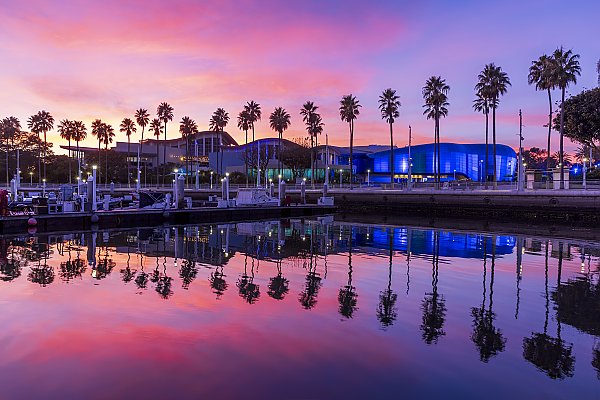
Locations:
{"points": [[483, 291]]}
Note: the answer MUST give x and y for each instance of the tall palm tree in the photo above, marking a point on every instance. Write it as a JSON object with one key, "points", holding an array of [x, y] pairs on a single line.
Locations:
{"points": [[314, 128], [65, 131], [98, 131], [493, 83], [349, 111], [156, 128], [78, 134], [254, 114], [43, 123], [11, 130], [389, 104], [565, 71], [598, 71], [482, 104], [435, 94], [308, 112], [243, 123], [109, 134], [540, 74], [128, 127], [165, 114], [187, 128], [279, 120], [142, 118], [4, 137], [217, 123]]}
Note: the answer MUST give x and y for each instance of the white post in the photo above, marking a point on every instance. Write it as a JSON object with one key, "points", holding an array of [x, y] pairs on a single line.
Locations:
{"points": [[211, 180], [368, 177], [584, 168], [327, 155], [138, 181], [227, 186], [94, 200], [44, 187], [521, 175]]}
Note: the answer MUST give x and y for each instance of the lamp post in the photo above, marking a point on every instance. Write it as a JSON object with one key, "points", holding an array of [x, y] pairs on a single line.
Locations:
{"points": [[368, 177], [44, 187], [454, 174], [30, 178], [211, 180], [409, 158], [341, 178], [584, 173]]}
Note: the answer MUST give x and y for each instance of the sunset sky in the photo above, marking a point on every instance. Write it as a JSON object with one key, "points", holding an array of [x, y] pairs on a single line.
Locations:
{"points": [[104, 59]]}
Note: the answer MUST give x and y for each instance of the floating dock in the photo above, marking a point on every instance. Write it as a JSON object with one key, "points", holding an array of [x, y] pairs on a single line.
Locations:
{"points": [[134, 218]]}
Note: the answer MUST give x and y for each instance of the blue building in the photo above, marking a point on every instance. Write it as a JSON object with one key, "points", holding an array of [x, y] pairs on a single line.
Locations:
{"points": [[457, 161]]}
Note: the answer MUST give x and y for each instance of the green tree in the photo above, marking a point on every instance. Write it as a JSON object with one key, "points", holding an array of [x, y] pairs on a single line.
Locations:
{"points": [[164, 112], [109, 134], [243, 123], [349, 111], [254, 113], [493, 83], [65, 131], [11, 130], [128, 127], [78, 134], [98, 130], [279, 121], [389, 105], [435, 94], [540, 74], [566, 70]]}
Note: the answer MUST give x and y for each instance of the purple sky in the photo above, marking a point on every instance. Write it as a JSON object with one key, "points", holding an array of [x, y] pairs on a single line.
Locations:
{"points": [[91, 59]]}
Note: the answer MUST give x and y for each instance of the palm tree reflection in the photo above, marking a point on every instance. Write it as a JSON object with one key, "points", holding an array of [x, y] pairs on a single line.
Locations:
{"points": [[486, 336], [128, 274], [550, 355], [141, 280], [347, 296], [434, 304], [217, 281], [246, 286], [596, 358], [11, 261], [278, 285], [386, 310], [187, 272], [42, 273]]}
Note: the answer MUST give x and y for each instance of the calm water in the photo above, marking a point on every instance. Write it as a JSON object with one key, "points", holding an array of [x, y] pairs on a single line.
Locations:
{"points": [[299, 309]]}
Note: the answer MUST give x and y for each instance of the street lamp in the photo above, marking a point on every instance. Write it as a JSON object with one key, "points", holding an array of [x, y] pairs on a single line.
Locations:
{"points": [[44, 187], [584, 172], [454, 174], [368, 177], [211, 180], [30, 178], [341, 178]]}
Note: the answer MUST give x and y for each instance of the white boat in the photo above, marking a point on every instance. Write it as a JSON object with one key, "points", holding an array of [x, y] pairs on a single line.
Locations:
{"points": [[255, 197]]}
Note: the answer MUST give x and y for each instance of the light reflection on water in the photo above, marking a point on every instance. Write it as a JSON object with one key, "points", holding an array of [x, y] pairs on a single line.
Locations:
{"points": [[302, 308]]}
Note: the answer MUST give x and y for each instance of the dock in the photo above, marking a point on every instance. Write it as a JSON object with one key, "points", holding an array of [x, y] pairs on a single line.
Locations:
{"points": [[135, 218]]}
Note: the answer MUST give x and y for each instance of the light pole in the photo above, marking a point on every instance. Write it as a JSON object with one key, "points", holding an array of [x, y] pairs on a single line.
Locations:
{"points": [[480, 171], [584, 173], [368, 177], [30, 178], [341, 178], [521, 175], [211, 180], [44, 187], [454, 174]]}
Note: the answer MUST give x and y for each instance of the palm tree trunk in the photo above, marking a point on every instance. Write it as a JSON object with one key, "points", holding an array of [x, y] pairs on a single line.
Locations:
{"points": [[316, 169], [312, 155], [439, 153], [99, 166], [246, 157], [549, 130], [70, 156], [494, 146], [7, 163], [487, 142], [39, 158], [165, 155], [562, 126], [351, 150], [45, 145], [392, 155], [157, 167], [106, 163], [128, 166]]}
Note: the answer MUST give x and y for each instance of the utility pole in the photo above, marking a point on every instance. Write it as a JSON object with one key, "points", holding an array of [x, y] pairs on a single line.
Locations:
{"points": [[409, 159], [521, 175]]}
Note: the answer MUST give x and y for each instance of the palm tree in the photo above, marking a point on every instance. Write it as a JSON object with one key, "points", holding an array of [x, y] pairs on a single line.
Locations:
{"points": [[128, 126], [98, 131], [435, 94], [598, 71], [187, 128], [279, 121], [243, 123], [65, 131], [308, 112], [78, 134], [349, 111], [109, 134], [33, 125], [254, 113], [540, 74], [389, 103], [493, 83], [217, 123], [142, 118], [315, 128], [164, 112], [43, 122], [482, 104], [11, 127], [156, 128], [565, 71]]}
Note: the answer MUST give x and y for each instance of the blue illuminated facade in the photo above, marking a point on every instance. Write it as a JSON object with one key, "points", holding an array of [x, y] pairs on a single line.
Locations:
{"points": [[460, 161]]}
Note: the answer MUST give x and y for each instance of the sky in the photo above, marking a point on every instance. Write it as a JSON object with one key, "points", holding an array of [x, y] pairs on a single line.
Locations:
{"points": [[88, 59]]}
